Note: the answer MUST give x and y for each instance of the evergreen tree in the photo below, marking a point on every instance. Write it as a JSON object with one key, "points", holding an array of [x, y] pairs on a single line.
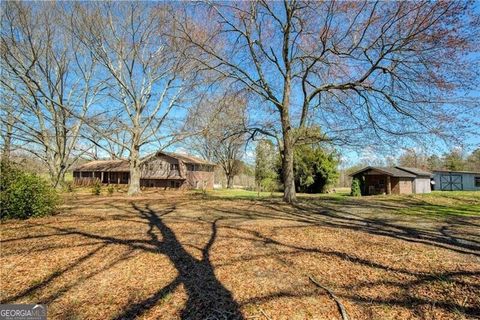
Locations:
{"points": [[266, 176], [314, 169], [434, 162], [454, 160], [473, 160], [355, 191]]}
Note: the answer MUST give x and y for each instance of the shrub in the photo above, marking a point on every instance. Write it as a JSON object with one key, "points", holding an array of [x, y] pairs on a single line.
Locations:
{"points": [[110, 189], [269, 184], [69, 187], [355, 191], [24, 194], [96, 187]]}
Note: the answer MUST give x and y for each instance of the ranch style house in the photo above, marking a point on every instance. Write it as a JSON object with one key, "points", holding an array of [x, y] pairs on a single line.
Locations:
{"points": [[159, 170]]}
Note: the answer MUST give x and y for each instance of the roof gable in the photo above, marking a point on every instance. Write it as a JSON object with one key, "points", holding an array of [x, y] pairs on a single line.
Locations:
{"points": [[182, 157], [415, 171], [390, 171]]}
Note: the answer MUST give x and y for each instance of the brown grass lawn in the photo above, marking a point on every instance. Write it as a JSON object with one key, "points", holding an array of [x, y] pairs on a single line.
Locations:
{"points": [[185, 256]]}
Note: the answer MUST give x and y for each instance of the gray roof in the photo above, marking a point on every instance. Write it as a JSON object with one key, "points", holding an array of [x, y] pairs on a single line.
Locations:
{"points": [[391, 171], [457, 171], [122, 165], [415, 171], [187, 158]]}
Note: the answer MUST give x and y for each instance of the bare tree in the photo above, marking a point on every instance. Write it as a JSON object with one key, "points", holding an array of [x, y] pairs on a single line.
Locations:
{"points": [[344, 71], [8, 115], [49, 79], [218, 127], [149, 75]]}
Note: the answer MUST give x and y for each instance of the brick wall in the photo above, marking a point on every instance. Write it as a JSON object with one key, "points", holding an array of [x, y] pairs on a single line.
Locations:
{"points": [[405, 185], [195, 179]]}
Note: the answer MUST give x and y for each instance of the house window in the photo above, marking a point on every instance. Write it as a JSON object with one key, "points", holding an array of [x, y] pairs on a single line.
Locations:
{"points": [[172, 184], [477, 182], [174, 166]]}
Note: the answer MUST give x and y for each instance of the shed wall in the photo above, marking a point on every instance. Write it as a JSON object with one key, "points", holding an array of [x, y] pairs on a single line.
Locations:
{"points": [[405, 185], [421, 185], [468, 180]]}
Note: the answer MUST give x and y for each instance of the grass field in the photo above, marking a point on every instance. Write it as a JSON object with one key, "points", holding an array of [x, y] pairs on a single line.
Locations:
{"points": [[235, 254]]}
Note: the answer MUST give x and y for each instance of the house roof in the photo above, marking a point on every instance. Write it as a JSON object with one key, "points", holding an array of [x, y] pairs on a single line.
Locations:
{"points": [[390, 171], [186, 158], [455, 171], [416, 171], [122, 165]]}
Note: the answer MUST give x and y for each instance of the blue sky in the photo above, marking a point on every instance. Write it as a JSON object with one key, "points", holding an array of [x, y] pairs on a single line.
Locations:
{"points": [[351, 154]]}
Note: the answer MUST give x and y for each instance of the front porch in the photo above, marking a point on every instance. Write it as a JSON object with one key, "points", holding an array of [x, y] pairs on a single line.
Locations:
{"points": [[88, 177]]}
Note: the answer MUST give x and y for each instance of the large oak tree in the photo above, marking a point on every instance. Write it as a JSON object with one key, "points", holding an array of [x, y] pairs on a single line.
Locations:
{"points": [[48, 85], [148, 74], [346, 71]]}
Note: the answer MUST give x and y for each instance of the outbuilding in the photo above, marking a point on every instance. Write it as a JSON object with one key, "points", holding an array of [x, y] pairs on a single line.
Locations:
{"points": [[446, 180], [393, 180]]}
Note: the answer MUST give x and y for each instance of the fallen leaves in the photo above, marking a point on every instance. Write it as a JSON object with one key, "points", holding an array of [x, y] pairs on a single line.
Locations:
{"points": [[104, 257]]}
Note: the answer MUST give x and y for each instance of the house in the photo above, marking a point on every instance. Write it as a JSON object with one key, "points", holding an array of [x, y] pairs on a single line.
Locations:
{"points": [[393, 180], [160, 170], [456, 180]]}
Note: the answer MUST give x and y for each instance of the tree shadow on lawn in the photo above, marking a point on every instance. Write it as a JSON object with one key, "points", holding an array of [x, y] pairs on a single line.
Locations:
{"points": [[207, 297], [442, 234], [405, 297]]}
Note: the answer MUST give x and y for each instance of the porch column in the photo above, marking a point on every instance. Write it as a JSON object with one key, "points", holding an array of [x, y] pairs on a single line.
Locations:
{"points": [[101, 177], [389, 185]]}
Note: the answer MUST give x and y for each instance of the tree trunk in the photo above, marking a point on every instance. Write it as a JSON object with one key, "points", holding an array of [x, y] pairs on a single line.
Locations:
{"points": [[229, 181], [59, 179], [57, 170], [7, 139], [289, 194], [134, 183]]}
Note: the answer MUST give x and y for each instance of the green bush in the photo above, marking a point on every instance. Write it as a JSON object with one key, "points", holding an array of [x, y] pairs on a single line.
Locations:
{"points": [[69, 187], [356, 191], [24, 194], [269, 184], [97, 187], [315, 168], [110, 189]]}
